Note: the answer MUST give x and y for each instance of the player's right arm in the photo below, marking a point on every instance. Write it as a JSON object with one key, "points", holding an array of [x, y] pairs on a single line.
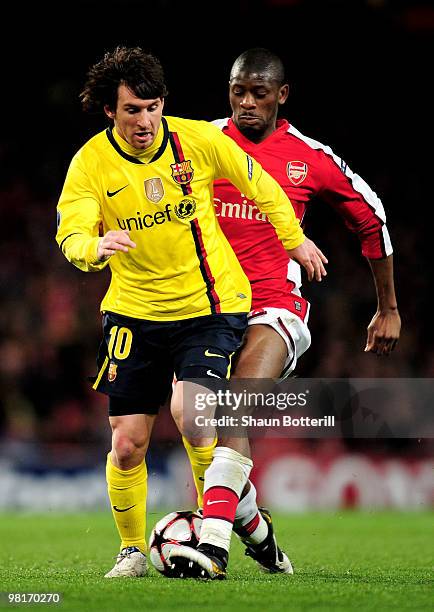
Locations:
{"points": [[112, 241], [79, 220]]}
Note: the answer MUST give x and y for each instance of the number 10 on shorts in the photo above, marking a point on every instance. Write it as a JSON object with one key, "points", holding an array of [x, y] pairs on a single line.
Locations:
{"points": [[119, 345]]}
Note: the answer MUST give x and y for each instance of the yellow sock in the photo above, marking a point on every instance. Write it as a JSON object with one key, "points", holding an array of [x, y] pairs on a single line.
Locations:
{"points": [[200, 459], [127, 491]]}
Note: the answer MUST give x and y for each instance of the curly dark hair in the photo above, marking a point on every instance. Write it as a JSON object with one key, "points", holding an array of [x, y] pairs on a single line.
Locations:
{"points": [[141, 72]]}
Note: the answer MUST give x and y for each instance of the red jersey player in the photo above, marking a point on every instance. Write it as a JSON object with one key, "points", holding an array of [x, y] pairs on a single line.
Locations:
{"points": [[305, 169], [278, 334]]}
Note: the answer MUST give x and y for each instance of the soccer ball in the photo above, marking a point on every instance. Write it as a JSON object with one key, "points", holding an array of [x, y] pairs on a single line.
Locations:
{"points": [[180, 528]]}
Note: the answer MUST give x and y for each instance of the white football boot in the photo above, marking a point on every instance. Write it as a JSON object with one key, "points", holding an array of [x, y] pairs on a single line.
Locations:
{"points": [[130, 563]]}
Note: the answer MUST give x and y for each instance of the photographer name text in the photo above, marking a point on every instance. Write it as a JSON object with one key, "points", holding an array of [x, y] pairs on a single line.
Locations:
{"points": [[250, 421]]}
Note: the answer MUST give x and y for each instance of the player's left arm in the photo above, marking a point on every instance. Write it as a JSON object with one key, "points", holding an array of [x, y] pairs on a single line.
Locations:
{"points": [[385, 326], [363, 213]]}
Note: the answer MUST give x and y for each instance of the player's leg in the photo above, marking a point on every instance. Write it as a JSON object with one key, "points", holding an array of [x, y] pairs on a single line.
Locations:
{"points": [[210, 349], [127, 489], [137, 379], [199, 449], [231, 465], [274, 341], [263, 356], [208, 355], [199, 454], [269, 349]]}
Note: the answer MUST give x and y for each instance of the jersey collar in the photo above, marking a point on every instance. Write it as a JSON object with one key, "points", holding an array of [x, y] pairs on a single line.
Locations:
{"points": [[282, 126], [135, 156]]}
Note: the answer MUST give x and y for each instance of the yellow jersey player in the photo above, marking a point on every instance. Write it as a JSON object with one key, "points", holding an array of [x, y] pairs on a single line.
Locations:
{"points": [[138, 197]]}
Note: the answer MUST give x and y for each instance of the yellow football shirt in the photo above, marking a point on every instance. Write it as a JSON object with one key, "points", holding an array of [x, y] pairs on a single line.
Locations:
{"points": [[183, 266]]}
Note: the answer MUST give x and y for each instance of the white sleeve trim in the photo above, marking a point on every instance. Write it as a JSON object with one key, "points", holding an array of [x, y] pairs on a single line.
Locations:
{"points": [[357, 182], [387, 242], [221, 123]]}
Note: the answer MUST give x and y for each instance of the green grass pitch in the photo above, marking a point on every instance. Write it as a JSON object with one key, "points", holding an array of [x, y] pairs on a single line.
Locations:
{"points": [[343, 561]]}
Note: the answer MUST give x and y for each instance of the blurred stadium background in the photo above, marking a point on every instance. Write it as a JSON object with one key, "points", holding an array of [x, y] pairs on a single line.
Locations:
{"points": [[359, 73]]}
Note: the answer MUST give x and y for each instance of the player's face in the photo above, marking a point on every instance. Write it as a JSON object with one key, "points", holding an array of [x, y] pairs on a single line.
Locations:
{"points": [[255, 99], [136, 120]]}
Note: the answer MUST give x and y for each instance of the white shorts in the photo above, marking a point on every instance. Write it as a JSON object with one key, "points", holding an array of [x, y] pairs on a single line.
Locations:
{"points": [[290, 327]]}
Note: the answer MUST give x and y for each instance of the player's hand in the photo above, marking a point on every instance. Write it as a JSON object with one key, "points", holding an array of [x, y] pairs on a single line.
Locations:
{"points": [[383, 332], [311, 258], [114, 240]]}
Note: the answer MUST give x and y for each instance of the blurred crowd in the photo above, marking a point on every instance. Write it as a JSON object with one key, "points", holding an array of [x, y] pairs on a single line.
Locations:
{"points": [[370, 107], [50, 330]]}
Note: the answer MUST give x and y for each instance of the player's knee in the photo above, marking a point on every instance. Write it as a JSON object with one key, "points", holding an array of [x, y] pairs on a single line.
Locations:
{"points": [[176, 411], [182, 412], [240, 444], [128, 448]]}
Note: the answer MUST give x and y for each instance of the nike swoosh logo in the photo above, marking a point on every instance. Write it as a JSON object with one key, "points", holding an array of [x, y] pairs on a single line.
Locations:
{"points": [[209, 354], [212, 374], [218, 501], [113, 193], [201, 478], [123, 509]]}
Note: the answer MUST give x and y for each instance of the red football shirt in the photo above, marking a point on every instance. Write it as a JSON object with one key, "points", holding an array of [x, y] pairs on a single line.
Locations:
{"points": [[305, 169]]}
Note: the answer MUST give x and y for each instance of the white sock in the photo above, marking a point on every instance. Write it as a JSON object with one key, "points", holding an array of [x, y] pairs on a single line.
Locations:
{"points": [[224, 481], [249, 523]]}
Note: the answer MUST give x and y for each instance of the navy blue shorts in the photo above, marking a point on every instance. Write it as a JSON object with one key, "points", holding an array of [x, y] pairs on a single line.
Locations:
{"points": [[137, 359]]}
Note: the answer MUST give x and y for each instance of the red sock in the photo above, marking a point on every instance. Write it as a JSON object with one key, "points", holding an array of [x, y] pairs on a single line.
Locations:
{"points": [[220, 503], [246, 530]]}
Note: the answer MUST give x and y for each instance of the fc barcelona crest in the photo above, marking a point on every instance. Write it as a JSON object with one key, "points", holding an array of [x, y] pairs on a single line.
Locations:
{"points": [[154, 189], [182, 172], [296, 171], [112, 372]]}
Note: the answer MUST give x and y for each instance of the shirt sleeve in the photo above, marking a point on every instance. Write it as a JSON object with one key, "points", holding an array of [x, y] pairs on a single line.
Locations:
{"points": [[79, 219], [359, 206], [233, 164]]}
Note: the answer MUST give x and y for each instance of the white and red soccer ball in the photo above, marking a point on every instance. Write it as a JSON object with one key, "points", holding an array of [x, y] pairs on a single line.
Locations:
{"points": [[180, 528]]}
